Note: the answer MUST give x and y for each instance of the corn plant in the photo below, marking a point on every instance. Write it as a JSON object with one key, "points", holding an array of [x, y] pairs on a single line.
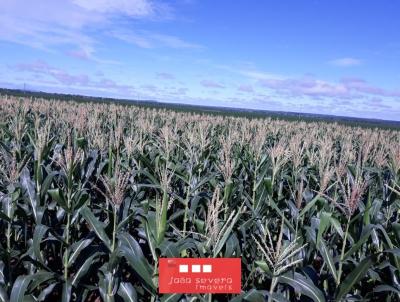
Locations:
{"points": [[93, 194]]}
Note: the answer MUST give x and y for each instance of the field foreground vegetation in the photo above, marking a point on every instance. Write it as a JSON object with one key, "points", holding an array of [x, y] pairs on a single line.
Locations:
{"points": [[93, 194]]}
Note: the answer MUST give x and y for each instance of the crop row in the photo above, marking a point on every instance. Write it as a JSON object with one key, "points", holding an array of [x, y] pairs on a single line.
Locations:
{"points": [[92, 195]]}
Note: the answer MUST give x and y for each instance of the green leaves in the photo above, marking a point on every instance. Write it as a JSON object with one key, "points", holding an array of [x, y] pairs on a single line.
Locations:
{"points": [[225, 232], [326, 255], [84, 268], [29, 190], [96, 226], [324, 223], [130, 249], [127, 292], [21, 285], [303, 285], [40, 232], [253, 296], [66, 291], [3, 295], [58, 196], [311, 208], [353, 278], [76, 249]]}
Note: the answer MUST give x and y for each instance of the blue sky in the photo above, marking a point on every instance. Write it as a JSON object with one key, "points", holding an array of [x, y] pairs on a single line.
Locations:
{"points": [[337, 57]]}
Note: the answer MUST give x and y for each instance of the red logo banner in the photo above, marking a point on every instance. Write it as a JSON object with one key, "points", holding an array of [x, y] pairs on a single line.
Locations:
{"points": [[199, 275]]}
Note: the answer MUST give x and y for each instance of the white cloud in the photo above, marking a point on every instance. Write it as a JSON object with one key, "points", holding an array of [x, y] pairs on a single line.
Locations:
{"points": [[43, 73], [346, 62], [133, 8], [147, 39], [173, 42], [49, 24], [246, 88], [211, 84], [165, 76], [132, 38], [61, 13], [250, 72]]}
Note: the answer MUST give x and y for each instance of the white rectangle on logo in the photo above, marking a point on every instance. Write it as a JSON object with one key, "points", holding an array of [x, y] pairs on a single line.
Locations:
{"points": [[196, 268], [183, 268], [207, 268]]}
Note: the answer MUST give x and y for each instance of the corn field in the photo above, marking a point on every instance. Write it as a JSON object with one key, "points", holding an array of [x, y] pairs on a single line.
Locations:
{"points": [[92, 195]]}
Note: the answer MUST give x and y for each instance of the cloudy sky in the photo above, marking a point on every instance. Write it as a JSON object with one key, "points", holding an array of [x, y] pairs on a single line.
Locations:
{"points": [[337, 57]]}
